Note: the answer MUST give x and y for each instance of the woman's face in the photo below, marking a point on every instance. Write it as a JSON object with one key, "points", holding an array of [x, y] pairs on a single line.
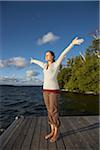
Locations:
{"points": [[48, 56]]}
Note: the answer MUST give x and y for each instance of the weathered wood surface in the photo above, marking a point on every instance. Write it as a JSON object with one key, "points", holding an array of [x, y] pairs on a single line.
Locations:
{"points": [[76, 133]]}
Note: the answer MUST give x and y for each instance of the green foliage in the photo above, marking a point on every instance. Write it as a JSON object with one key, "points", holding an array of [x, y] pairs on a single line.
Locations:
{"points": [[94, 48], [82, 76], [64, 76]]}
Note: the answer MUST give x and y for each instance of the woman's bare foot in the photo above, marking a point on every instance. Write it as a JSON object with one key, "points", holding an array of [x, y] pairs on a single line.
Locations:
{"points": [[51, 133], [55, 135]]}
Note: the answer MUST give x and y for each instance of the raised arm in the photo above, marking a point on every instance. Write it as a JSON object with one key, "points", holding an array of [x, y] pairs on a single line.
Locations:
{"points": [[76, 41], [38, 62]]}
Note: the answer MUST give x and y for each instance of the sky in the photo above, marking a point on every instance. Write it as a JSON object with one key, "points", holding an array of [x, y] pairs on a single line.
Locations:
{"points": [[29, 29]]}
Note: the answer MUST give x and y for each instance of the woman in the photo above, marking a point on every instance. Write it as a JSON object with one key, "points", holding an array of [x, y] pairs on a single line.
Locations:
{"points": [[51, 91]]}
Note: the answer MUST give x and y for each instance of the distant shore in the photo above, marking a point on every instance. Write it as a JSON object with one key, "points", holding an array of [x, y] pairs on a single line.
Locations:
{"points": [[65, 90], [75, 91], [20, 85]]}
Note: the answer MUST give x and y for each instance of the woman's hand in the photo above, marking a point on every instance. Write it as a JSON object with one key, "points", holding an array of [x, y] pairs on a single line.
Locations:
{"points": [[31, 61], [77, 41]]}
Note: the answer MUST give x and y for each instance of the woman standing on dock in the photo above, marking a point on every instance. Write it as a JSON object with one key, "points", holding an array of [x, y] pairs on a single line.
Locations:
{"points": [[51, 90]]}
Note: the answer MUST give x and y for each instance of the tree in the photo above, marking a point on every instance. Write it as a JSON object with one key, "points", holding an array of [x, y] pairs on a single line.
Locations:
{"points": [[64, 76], [94, 48], [82, 76]]}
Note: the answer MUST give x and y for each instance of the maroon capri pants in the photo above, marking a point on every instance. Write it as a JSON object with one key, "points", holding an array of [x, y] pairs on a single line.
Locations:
{"points": [[51, 100]]}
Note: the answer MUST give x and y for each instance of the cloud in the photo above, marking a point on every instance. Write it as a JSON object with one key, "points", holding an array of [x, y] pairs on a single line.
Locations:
{"points": [[8, 80], [32, 81], [31, 73], [2, 64], [18, 62], [13, 80], [30, 78], [49, 37]]}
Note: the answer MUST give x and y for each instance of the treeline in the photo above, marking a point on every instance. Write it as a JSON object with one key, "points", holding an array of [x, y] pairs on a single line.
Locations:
{"points": [[81, 73]]}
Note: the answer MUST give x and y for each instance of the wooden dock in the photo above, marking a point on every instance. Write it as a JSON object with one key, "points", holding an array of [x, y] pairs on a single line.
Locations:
{"points": [[76, 133]]}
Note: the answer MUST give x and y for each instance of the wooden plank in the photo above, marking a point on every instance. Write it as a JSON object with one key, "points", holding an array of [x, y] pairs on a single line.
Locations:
{"points": [[9, 130], [27, 141], [93, 129], [94, 118], [83, 128], [72, 134], [64, 133], [82, 143], [60, 142], [43, 142], [21, 136], [36, 138], [12, 133], [76, 133], [91, 120], [14, 136]]}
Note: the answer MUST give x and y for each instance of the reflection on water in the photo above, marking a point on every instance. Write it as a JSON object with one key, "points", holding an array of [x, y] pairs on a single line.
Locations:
{"points": [[78, 104], [28, 100]]}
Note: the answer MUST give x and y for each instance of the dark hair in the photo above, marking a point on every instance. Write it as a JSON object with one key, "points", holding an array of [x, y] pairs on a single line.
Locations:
{"points": [[52, 53]]}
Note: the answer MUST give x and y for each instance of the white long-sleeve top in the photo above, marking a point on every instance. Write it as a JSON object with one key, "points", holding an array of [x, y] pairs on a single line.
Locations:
{"points": [[50, 74]]}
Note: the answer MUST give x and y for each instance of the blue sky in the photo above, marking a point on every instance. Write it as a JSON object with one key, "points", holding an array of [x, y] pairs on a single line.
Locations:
{"points": [[29, 29]]}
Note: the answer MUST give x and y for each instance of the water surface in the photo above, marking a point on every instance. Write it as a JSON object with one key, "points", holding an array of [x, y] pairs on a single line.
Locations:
{"points": [[28, 100]]}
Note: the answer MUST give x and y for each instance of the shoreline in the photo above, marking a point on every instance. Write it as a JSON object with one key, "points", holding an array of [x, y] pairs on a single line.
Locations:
{"points": [[75, 91], [65, 90]]}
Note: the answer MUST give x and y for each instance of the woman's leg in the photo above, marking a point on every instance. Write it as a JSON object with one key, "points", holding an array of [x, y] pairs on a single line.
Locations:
{"points": [[54, 109], [54, 115], [55, 134], [51, 133], [47, 103]]}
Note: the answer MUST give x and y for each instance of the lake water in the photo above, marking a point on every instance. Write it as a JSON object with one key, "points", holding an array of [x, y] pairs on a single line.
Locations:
{"points": [[28, 100]]}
